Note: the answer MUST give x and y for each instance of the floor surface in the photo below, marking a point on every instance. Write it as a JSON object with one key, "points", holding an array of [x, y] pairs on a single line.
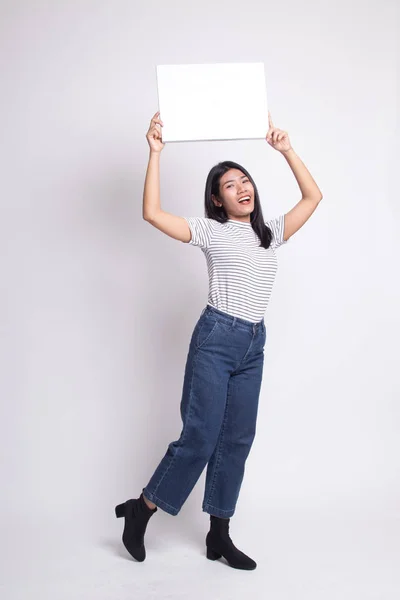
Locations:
{"points": [[300, 556]]}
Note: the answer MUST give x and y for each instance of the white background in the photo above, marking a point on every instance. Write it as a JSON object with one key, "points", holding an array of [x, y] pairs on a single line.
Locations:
{"points": [[97, 307]]}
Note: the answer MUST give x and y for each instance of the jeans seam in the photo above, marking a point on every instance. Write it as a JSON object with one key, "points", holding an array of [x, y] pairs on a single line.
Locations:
{"points": [[210, 506], [158, 501], [246, 355], [219, 451], [185, 426]]}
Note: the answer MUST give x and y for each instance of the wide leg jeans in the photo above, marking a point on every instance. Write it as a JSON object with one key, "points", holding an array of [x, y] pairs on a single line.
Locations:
{"points": [[219, 406]]}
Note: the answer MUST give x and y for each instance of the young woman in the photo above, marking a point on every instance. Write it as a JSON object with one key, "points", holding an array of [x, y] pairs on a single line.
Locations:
{"points": [[224, 365]]}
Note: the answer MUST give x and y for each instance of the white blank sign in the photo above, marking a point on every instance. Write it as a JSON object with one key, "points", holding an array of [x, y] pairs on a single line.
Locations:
{"points": [[225, 101]]}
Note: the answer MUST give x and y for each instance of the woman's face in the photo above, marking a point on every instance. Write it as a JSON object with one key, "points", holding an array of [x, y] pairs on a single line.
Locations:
{"points": [[234, 186]]}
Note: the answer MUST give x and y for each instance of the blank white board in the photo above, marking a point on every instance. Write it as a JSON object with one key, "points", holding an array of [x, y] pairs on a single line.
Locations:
{"points": [[223, 101]]}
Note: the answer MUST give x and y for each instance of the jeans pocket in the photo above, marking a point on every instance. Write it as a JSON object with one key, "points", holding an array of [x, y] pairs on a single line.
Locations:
{"points": [[205, 329]]}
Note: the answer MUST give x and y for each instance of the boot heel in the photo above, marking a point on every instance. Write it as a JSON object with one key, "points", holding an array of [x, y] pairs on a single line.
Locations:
{"points": [[120, 510], [213, 555]]}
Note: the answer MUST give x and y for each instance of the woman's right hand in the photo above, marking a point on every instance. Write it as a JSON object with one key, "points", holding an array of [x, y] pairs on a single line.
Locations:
{"points": [[154, 136]]}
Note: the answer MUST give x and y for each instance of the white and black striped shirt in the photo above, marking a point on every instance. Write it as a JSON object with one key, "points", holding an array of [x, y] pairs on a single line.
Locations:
{"points": [[241, 272]]}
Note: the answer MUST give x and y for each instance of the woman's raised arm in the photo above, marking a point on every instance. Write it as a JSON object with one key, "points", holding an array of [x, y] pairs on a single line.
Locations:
{"points": [[175, 227]]}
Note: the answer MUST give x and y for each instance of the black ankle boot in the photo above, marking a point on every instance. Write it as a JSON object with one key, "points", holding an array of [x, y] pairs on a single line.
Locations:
{"points": [[219, 544], [137, 515]]}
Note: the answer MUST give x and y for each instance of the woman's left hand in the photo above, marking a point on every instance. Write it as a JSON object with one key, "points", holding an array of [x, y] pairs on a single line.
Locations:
{"points": [[277, 138]]}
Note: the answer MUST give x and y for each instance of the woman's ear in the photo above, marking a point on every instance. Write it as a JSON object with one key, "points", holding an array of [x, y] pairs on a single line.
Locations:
{"points": [[215, 200]]}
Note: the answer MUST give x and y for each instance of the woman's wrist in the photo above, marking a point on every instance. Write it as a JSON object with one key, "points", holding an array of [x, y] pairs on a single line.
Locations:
{"points": [[154, 155], [289, 152]]}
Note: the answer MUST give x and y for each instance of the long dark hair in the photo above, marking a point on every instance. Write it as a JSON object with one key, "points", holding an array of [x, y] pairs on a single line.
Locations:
{"points": [[218, 212]]}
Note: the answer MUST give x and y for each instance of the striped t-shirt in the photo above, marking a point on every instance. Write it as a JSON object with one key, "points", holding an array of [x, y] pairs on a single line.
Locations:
{"points": [[241, 272]]}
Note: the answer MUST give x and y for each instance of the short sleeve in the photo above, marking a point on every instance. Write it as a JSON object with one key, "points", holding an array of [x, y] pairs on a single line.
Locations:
{"points": [[277, 227], [202, 230]]}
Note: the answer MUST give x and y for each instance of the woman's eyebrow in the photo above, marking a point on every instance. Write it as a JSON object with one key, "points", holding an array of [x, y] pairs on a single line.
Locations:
{"points": [[241, 177]]}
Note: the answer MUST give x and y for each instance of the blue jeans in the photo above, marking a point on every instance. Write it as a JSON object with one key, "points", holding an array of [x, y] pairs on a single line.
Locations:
{"points": [[219, 405]]}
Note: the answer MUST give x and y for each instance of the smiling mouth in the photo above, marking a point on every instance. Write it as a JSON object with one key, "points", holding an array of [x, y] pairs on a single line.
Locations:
{"points": [[244, 200]]}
